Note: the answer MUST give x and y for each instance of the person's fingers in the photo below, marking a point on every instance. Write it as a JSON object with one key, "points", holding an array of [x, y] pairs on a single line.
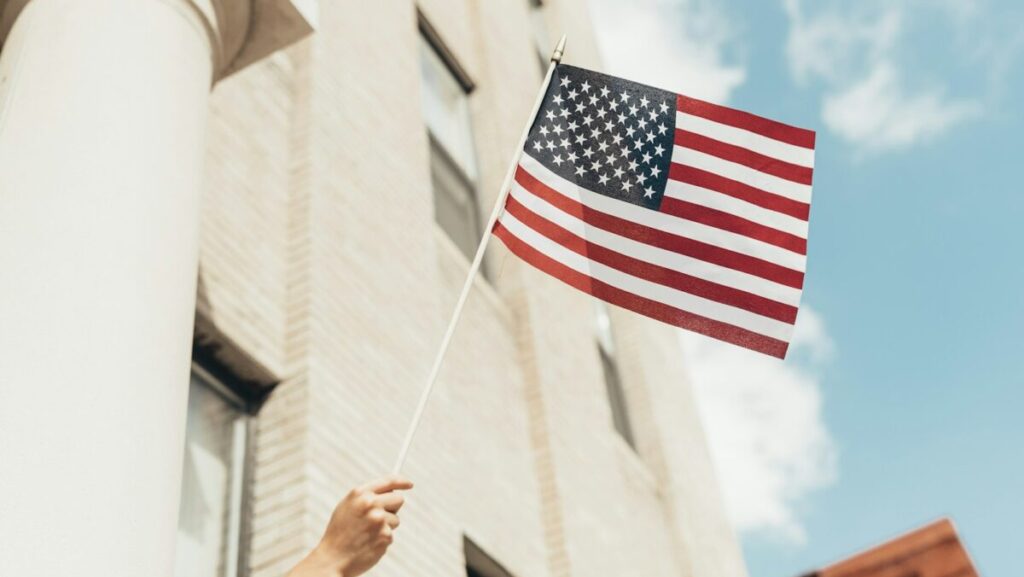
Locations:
{"points": [[378, 516], [392, 520], [388, 484], [391, 502]]}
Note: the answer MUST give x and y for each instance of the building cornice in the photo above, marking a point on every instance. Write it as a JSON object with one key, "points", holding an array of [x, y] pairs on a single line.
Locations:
{"points": [[240, 32]]}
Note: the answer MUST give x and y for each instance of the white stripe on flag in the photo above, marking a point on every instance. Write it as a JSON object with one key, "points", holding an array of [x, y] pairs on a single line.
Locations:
{"points": [[737, 207], [657, 256], [738, 172], [749, 140], [664, 222], [647, 289]]}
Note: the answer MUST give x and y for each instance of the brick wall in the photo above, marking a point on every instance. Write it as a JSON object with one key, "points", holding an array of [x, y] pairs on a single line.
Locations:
{"points": [[321, 258]]}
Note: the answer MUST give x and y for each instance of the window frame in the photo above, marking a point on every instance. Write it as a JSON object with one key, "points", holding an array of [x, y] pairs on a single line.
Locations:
{"points": [[470, 186], [479, 563], [615, 387], [433, 38], [247, 404], [468, 182]]}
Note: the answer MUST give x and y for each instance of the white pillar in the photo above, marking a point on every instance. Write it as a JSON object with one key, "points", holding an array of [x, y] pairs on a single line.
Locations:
{"points": [[102, 113], [100, 172]]}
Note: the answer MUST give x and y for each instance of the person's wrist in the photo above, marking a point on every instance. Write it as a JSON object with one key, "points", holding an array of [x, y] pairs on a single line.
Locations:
{"points": [[329, 561]]}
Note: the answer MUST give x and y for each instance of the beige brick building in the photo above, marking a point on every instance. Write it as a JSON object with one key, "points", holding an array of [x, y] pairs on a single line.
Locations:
{"points": [[562, 439]]}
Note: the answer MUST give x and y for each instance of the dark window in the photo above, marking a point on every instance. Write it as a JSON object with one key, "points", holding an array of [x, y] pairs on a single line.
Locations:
{"points": [[216, 467], [453, 163], [480, 564], [455, 206], [612, 377]]}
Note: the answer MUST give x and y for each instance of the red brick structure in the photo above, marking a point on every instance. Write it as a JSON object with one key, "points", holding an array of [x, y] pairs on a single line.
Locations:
{"points": [[934, 550]]}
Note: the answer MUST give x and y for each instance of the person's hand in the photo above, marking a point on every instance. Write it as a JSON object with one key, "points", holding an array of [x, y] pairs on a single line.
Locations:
{"points": [[359, 532]]}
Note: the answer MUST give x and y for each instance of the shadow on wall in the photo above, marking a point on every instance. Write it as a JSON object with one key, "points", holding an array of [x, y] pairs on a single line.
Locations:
{"points": [[224, 359]]}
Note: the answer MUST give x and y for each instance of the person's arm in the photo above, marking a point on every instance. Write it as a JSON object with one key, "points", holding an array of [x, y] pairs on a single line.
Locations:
{"points": [[359, 532]]}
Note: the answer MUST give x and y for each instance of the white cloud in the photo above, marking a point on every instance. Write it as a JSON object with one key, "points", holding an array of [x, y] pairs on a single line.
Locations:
{"points": [[854, 50], [678, 45], [765, 426], [834, 45], [879, 113]]}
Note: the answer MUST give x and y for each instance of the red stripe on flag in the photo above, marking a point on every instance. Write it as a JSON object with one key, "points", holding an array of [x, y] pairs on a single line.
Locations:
{"points": [[748, 158], [654, 309], [735, 189], [661, 239], [652, 272], [746, 121], [732, 223]]}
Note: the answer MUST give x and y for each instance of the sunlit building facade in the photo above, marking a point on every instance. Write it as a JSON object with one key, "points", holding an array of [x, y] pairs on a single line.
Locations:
{"points": [[331, 186]]}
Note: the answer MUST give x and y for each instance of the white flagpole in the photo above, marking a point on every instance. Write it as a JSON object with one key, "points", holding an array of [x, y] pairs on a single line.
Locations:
{"points": [[556, 57]]}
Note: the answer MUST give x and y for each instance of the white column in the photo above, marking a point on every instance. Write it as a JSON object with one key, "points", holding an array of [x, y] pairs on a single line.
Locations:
{"points": [[102, 113]]}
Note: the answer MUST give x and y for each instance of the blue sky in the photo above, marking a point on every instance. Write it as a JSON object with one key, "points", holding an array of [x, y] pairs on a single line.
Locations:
{"points": [[902, 399]]}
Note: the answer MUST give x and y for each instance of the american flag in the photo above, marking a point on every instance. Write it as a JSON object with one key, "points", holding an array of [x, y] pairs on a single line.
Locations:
{"points": [[688, 212]]}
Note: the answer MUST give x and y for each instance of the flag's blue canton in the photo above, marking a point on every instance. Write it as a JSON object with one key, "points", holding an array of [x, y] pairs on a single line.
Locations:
{"points": [[608, 135]]}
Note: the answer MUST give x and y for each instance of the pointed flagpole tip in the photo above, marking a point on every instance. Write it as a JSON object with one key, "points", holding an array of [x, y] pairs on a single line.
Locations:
{"points": [[556, 56]]}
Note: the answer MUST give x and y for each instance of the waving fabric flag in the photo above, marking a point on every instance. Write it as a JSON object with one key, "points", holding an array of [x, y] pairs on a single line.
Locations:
{"points": [[688, 212]]}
